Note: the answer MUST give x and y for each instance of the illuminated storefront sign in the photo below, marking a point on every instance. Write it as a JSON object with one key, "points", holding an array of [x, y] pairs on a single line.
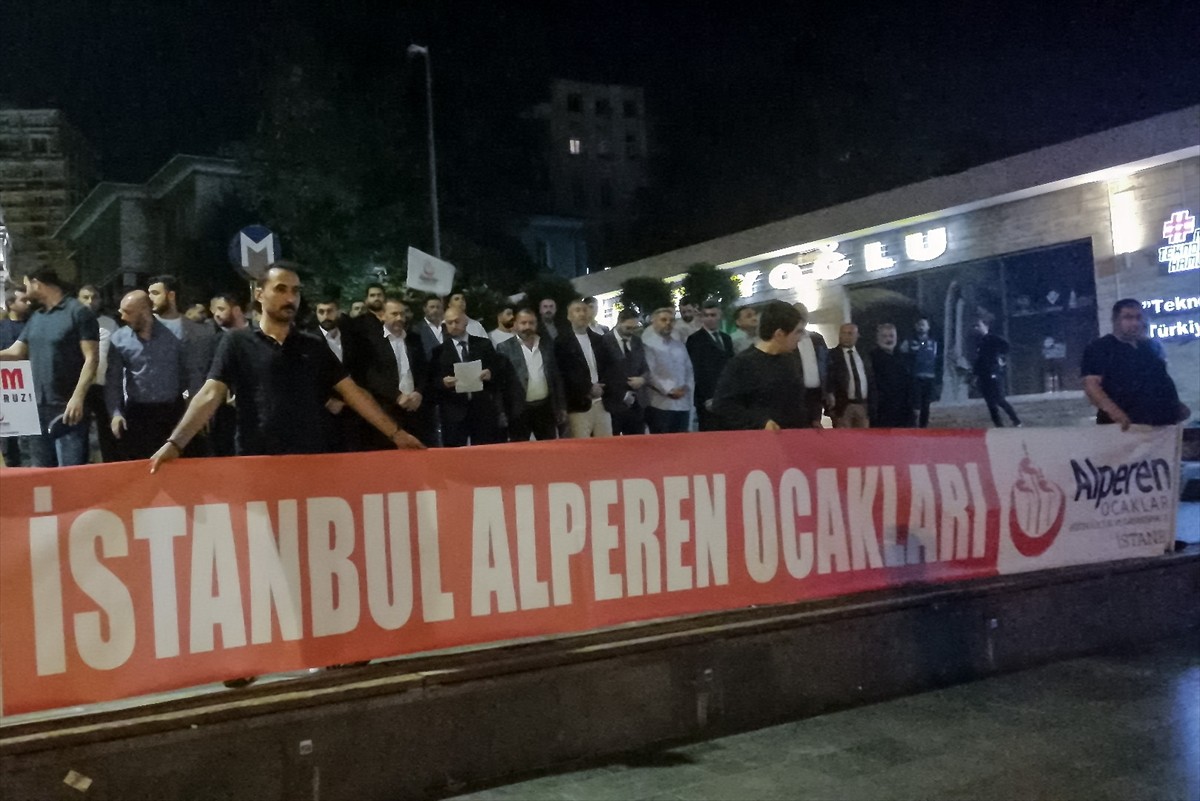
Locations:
{"points": [[1182, 251], [824, 262], [1187, 327]]}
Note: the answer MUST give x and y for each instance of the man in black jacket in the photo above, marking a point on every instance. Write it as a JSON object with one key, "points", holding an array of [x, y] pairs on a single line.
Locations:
{"points": [[709, 349], [467, 417], [850, 381], [533, 390], [991, 360], [588, 375], [394, 370], [628, 410]]}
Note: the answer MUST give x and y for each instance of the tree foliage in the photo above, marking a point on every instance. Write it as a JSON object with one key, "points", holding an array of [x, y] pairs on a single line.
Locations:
{"points": [[644, 294], [705, 282]]}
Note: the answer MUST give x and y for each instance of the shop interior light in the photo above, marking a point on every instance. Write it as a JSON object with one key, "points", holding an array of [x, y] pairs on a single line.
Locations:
{"points": [[1123, 217]]}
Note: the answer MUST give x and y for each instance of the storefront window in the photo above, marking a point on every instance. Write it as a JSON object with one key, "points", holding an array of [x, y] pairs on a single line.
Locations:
{"points": [[1042, 301]]}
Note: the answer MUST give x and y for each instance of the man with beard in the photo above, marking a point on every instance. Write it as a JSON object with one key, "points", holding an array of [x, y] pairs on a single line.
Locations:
{"points": [[227, 311], [533, 389], [146, 379], [548, 314], [670, 376], [342, 428], [282, 379], [459, 301], [396, 374], [504, 325], [746, 320], [199, 341], [431, 326], [61, 342], [589, 380], [89, 296], [925, 358], [1125, 376], [891, 398], [629, 413]]}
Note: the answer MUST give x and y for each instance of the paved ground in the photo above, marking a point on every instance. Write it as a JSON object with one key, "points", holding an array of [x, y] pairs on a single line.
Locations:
{"points": [[1118, 726]]}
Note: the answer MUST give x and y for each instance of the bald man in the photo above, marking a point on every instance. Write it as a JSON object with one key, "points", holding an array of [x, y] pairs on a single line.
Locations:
{"points": [[146, 377]]}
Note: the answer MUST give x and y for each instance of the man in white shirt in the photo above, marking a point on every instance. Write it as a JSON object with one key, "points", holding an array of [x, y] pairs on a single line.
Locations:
{"points": [[459, 301], [587, 369], [814, 362], [396, 373], [504, 325], [94, 407], [850, 381], [670, 379], [533, 397]]}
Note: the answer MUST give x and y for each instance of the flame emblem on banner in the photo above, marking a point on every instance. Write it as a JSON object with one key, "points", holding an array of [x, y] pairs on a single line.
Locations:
{"points": [[1036, 510]]}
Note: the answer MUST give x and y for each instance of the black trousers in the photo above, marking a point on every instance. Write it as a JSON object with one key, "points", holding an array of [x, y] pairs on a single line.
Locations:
{"points": [[923, 396], [814, 405], [537, 419], [993, 395], [147, 427], [629, 420], [95, 409], [477, 423]]}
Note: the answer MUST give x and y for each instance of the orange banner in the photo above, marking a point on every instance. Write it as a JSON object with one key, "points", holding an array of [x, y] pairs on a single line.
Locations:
{"points": [[116, 583]]}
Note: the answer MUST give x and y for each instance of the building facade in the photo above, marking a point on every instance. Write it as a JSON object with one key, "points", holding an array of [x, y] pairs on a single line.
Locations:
{"points": [[1040, 245], [596, 165], [122, 233], [46, 169]]}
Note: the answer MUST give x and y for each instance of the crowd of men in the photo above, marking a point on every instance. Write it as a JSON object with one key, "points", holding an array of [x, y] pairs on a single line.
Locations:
{"points": [[216, 380]]}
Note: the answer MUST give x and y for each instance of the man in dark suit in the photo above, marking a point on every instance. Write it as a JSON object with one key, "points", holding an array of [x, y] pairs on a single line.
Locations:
{"points": [[814, 364], [394, 370], [467, 417], [589, 375], [431, 327], [533, 389], [628, 410], [849, 382], [709, 349]]}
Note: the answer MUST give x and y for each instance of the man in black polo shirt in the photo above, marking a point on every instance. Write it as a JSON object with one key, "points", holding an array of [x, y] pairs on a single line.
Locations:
{"points": [[1124, 376], [62, 342], [282, 379]]}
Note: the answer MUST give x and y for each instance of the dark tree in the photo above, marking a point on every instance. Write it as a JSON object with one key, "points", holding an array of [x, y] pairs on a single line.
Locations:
{"points": [[644, 294]]}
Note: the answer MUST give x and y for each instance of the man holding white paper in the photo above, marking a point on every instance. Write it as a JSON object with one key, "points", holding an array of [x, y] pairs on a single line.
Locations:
{"points": [[466, 373]]}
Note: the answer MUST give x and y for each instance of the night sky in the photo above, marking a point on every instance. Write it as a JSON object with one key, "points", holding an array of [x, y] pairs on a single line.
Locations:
{"points": [[761, 109]]}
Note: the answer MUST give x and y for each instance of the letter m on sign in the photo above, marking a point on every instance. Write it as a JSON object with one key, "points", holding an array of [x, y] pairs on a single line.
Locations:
{"points": [[261, 252], [12, 379]]}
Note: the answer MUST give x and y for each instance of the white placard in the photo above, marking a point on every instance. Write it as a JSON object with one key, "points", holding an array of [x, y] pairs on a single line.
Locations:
{"points": [[18, 406], [429, 274], [468, 376]]}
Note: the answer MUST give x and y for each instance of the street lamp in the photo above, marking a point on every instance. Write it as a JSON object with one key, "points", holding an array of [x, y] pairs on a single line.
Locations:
{"points": [[418, 50]]}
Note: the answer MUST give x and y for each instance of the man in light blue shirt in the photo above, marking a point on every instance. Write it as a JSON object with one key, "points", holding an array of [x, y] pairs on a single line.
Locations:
{"points": [[670, 378], [147, 374]]}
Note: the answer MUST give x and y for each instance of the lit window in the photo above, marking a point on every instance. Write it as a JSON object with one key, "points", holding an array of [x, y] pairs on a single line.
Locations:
{"points": [[575, 146]]}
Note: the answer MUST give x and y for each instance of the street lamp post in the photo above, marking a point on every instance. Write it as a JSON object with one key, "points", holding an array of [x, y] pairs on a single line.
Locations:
{"points": [[418, 50]]}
